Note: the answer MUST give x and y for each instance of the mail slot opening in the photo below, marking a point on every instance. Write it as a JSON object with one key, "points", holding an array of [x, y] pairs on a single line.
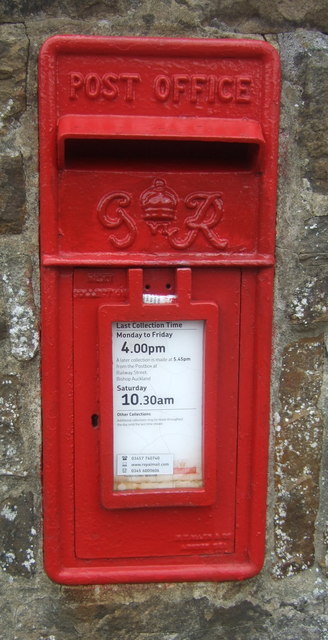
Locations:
{"points": [[92, 153]]}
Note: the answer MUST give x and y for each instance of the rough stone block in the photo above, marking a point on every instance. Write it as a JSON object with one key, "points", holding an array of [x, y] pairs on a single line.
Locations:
{"points": [[21, 314], [3, 321], [309, 304], [10, 436], [6, 616], [189, 618], [13, 69], [17, 535], [314, 115], [12, 194], [298, 455], [12, 10], [259, 16], [314, 245]]}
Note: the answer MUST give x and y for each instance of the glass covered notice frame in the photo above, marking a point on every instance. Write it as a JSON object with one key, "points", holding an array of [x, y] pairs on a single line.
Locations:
{"points": [[158, 390], [157, 404]]}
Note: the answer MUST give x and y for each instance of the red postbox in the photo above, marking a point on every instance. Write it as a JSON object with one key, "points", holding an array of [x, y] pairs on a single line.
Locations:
{"points": [[158, 187]]}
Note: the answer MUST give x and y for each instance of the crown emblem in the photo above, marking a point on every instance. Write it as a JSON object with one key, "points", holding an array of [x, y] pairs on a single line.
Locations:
{"points": [[159, 204]]}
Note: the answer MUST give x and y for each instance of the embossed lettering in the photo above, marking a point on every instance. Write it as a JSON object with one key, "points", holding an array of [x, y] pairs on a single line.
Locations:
{"points": [[162, 86], [179, 86], [200, 89], [211, 89], [159, 204], [113, 215], [130, 79], [109, 85], [226, 89], [110, 88], [93, 276], [243, 89], [92, 85], [209, 209], [197, 87], [75, 83]]}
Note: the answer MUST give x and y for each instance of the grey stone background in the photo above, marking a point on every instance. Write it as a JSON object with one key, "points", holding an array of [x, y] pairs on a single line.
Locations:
{"points": [[288, 600]]}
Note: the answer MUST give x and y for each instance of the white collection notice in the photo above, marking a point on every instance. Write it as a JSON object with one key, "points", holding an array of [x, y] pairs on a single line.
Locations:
{"points": [[158, 404]]}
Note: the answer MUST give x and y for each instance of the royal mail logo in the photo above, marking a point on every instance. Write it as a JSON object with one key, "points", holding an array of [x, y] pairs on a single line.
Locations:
{"points": [[158, 207], [159, 204]]}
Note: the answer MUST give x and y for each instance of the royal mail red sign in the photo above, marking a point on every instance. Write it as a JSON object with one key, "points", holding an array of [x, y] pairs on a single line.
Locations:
{"points": [[158, 187]]}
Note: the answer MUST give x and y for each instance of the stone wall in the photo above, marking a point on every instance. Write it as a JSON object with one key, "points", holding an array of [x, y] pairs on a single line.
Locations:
{"points": [[288, 599]]}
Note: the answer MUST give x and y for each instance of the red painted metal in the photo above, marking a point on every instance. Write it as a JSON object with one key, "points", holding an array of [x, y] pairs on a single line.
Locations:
{"points": [[157, 164], [100, 127], [183, 308]]}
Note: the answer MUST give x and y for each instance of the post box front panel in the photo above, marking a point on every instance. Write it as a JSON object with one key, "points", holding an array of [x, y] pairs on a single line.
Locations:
{"points": [[159, 210], [156, 531], [166, 351], [157, 188], [151, 79], [161, 149]]}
